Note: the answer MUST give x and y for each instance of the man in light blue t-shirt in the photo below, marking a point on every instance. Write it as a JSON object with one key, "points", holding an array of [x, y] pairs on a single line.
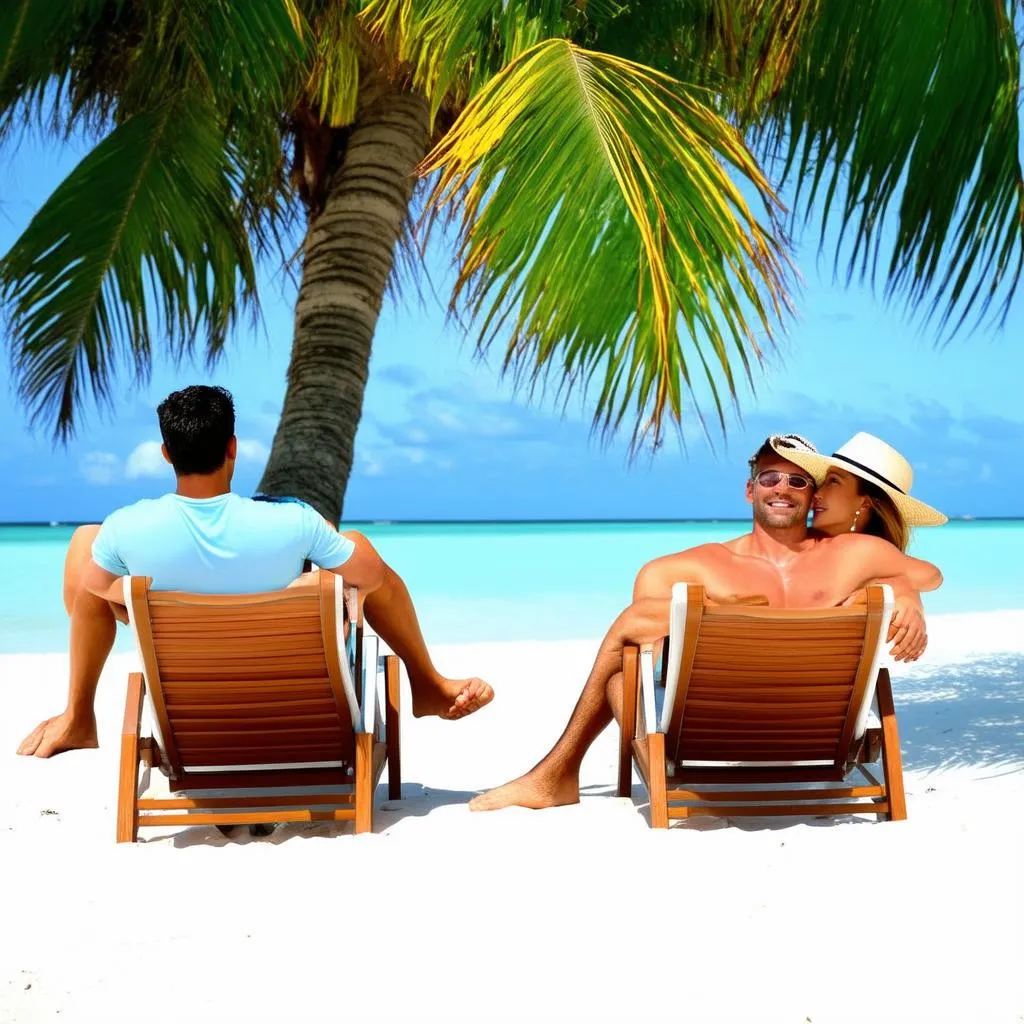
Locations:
{"points": [[206, 540]]}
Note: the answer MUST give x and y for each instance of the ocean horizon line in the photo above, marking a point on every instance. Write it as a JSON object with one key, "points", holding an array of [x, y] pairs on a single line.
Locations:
{"points": [[382, 521]]}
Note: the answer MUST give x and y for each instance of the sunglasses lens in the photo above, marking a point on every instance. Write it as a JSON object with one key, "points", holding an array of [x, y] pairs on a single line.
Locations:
{"points": [[772, 478]]}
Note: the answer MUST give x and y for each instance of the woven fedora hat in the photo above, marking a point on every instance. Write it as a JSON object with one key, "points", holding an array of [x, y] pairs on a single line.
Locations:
{"points": [[871, 459]]}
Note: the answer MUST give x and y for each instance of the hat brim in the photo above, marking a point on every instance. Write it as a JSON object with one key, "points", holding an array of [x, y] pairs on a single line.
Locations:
{"points": [[811, 462], [911, 510]]}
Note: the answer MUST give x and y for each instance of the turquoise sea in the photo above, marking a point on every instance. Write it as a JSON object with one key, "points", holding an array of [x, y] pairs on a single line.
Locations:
{"points": [[521, 581]]}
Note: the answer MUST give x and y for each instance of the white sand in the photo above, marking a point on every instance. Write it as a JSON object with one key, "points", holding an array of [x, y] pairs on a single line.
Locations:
{"points": [[576, 913]]}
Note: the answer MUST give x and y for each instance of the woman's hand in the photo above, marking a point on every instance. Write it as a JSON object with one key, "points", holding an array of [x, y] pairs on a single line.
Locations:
{"points": [[907, 632]]}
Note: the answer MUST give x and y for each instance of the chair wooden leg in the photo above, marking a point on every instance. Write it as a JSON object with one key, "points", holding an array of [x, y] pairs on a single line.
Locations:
{"points": [[657, 789], [364, 782], [392, 680], [128, 782], [892, 761], [627, 727]]}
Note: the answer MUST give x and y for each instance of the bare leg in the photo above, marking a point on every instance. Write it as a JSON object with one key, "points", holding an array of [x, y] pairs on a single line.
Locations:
{"points": [[92, 635], [390, 611], [556, 779]]}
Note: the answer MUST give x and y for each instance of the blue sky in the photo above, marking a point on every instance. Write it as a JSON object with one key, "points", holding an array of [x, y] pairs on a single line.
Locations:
{"points": [[442, 437]]}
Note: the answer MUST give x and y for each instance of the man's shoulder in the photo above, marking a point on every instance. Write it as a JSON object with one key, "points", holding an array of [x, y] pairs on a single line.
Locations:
{"points": [[701, 554], [141, 510]]}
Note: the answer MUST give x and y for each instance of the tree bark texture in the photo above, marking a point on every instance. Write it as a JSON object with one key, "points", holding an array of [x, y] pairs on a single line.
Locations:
{"points": [[347, 257]]}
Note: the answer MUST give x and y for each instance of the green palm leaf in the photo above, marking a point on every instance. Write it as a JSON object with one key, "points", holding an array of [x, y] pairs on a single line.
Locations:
{"points": [[147, 224], [453, 49], [907, 115], [600, 226]]}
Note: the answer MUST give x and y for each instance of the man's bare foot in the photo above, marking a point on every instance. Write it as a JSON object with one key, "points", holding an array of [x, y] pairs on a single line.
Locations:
{"points": [[529, 790], [450, 698], [58, 734]]}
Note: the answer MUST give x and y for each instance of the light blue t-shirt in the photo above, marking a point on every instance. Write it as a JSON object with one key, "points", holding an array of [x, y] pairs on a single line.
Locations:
{"points": [[223, 545]]}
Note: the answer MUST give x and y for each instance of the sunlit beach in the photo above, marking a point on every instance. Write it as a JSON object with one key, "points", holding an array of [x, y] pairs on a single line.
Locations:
{"points": [[512, 511]]}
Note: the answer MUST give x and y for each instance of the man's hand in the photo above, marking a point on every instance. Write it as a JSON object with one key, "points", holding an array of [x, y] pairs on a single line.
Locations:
{"points": [[907, 632]]}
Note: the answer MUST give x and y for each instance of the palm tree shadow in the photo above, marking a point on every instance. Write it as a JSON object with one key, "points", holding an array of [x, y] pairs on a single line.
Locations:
{"points": [[968, 713]]}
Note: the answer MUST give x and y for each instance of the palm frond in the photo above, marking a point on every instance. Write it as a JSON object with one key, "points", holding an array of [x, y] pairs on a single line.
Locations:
{"points": [[454, 48], [635, 253], [147, 222], [333, 78], [906, 116]]}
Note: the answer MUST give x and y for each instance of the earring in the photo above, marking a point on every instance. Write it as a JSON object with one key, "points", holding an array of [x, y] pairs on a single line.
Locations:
{"points": [[853, 525]]}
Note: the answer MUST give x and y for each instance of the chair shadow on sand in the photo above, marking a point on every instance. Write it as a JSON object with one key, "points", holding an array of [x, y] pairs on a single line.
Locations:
{"points": [[417, 802], [967, 714]]}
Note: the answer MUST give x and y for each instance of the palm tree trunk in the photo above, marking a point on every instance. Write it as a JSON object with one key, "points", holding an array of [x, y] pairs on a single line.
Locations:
{"points": [[347, 257]]}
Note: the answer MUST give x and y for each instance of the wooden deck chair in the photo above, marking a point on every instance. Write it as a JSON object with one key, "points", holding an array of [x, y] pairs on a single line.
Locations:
{"points": [[763, 711], [273, 692]]}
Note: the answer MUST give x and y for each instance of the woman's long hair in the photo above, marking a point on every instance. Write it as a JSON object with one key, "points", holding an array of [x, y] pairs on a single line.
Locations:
{"points": [[885, 520]]}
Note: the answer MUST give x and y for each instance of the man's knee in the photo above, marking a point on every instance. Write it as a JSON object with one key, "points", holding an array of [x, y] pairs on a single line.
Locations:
{"points": [[78, 555]]}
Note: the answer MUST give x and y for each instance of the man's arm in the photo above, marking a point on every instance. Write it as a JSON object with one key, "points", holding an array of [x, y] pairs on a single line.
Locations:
{"points": [[107, 585], [695, 565], [363, 569]]}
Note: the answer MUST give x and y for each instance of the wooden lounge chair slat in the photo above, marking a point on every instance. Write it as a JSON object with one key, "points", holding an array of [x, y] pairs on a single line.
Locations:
{"points": [[212, 802], [781, 755], [241, 688], [800, 810], [692, 776], [758, 693], [741, 708], [245, 689], [299, 625], [245, 717], [746, 795], [210, 712], [254, 737], [237, 756], [278, 778], [248, 818]]}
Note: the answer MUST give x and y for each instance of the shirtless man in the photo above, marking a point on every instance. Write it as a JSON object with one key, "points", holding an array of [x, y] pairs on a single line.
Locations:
{"points": [[779, 560], [204, 539]]}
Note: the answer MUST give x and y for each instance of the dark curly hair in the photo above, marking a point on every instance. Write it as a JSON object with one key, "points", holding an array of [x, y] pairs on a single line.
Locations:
{"points": [[196, 424]]}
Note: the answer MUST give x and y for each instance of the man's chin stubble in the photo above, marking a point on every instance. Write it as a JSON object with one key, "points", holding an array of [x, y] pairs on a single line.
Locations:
{"points": [[779, 522]]}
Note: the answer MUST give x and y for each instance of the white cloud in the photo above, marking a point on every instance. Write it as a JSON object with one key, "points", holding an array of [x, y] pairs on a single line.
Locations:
{"points": [[253, 451], [146, 459], [100, 467], [444, 415]]}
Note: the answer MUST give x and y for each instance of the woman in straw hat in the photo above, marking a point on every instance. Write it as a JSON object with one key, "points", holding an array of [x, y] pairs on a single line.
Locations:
{"points": [[865, 488]]}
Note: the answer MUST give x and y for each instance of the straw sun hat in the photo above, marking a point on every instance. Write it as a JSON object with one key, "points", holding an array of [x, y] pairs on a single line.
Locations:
{"points": [[871, 459]]}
